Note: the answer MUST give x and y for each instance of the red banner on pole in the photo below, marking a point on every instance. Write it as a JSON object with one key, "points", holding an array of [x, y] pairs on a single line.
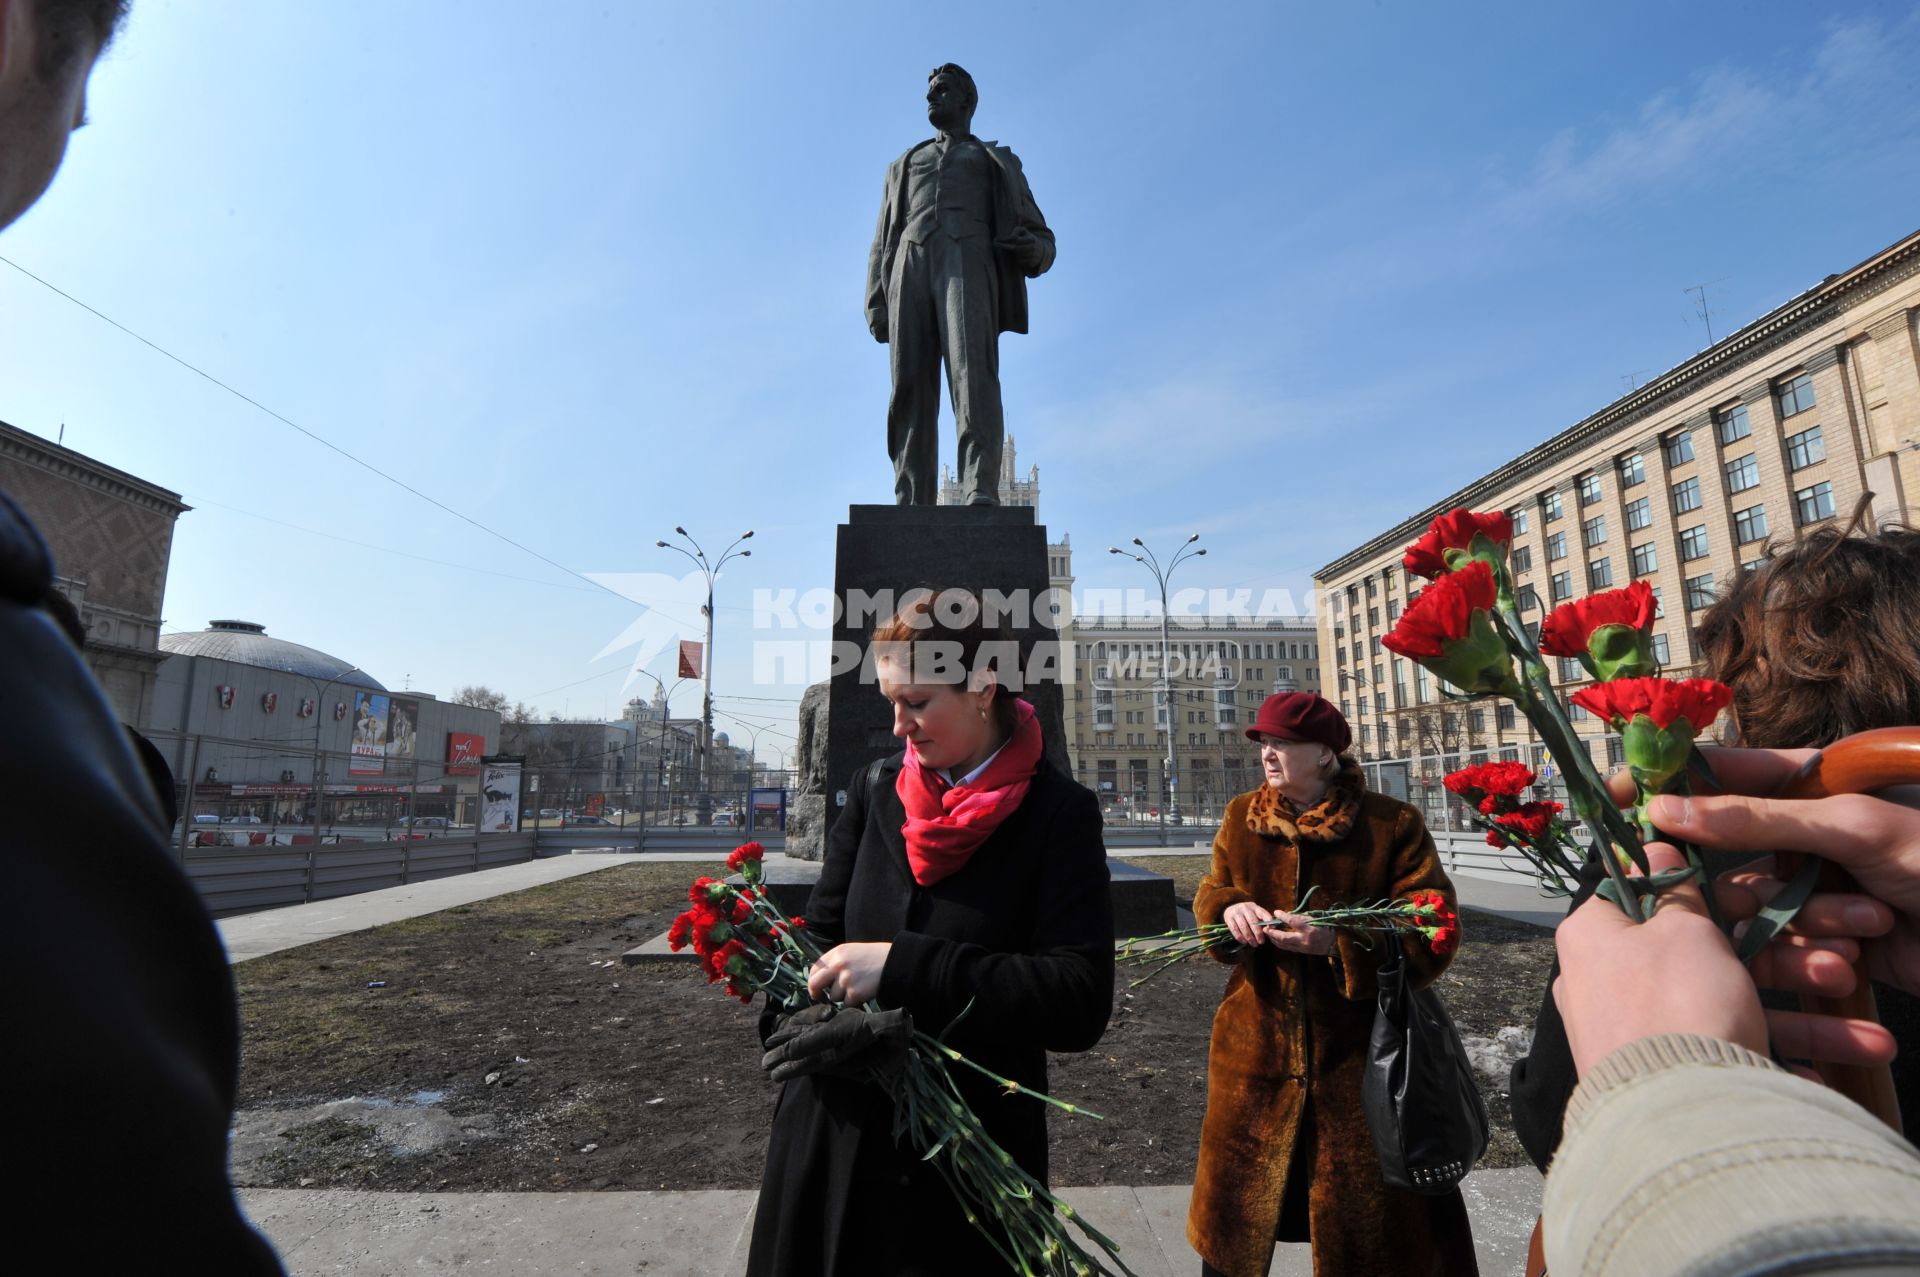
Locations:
{"points": [[689, 659]]}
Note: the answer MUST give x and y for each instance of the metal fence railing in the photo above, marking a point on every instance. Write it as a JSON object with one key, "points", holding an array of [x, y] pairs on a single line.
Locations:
{"points": [[234, 880]]}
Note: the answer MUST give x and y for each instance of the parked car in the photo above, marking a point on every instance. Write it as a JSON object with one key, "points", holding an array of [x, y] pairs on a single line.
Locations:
{"points": [[726, 819], [423, 822], [550, 813], [589, 820]]}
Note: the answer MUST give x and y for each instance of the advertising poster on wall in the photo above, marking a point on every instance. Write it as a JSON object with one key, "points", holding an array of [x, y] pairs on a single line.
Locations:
{"points": [[369, 734], [403, 730], [463, 753], [500, 798]]}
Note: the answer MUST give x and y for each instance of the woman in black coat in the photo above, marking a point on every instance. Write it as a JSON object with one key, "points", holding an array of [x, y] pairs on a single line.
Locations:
{"points": [[928, 913]]}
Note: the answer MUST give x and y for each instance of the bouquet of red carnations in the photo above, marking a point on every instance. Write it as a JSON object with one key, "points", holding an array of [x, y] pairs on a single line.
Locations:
{"points": [[1533, 828], [743, 940], [1466, 628], [1422, 913]]}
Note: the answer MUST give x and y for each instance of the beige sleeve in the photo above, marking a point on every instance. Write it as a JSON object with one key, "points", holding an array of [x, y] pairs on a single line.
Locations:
{"points": [[1686, 1154]]}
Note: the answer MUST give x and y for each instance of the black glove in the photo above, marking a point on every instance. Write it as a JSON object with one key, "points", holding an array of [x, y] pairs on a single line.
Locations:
{"points": [[846, 1041]]}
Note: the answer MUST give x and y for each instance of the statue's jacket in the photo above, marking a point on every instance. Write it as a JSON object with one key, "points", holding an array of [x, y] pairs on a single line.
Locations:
{"points": [[1013, 209]]}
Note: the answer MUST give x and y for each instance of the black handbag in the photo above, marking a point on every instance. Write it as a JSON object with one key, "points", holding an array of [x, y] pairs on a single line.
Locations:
{"points": [[1428, 1120]]}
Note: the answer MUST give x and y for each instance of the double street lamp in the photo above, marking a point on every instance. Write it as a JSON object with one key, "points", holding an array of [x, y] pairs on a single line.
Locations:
{"points": [[710, 570], [1162, 573]]}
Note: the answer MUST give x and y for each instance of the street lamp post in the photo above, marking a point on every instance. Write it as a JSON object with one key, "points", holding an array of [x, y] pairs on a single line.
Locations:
{"points": [[710, 571], [1162, 573]]}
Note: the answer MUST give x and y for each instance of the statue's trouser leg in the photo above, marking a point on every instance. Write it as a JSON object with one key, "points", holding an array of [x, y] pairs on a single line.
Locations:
{"points": [[969, 305], [913, 353]]}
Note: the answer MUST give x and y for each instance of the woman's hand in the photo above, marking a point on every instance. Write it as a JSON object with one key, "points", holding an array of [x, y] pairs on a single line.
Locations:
{"points": [[848, 973], [1244, 921], [1300, 935]]}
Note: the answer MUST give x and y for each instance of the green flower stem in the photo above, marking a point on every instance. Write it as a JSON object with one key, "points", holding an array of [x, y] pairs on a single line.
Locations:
{"points": [[1588, 796], [931, 1043]]}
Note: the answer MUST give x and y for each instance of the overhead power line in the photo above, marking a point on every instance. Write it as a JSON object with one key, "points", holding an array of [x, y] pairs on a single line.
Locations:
{"points": [[317, 438]]}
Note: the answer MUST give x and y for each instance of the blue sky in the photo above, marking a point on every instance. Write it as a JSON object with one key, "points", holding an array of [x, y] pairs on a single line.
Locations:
{"points": [[584, 272]]}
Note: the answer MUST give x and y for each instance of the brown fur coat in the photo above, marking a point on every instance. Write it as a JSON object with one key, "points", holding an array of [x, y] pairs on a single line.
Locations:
{"points": [[1291, 1037]]}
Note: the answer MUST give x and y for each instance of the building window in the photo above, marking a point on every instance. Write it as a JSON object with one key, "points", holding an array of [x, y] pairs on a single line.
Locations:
{"points": [[1699, 591], [1571, 669], [1743, 473], [1562, 586], [1557, 546], [1750, 524], [1680, 448], [1693, 544], [1550, 506], [1600, 575], [1646, 559], [1632, 471], [1616, 751], [1528, 598], [1734, 425], [1476, 721], [1522, 558], [1796, 396], [1379, 702], [1519, 521], [1686, 496], [1373, 587], [1806, 448], [1373, 617], [1589, 489], [1509, 753], [1594, 530], [1503, 715], [1814, 504], [1660, 652], [1393, 609], [1578, 713], [1639, 515]]}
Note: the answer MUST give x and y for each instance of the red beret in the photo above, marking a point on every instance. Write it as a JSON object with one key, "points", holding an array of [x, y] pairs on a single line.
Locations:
{"points": [[1302, 716]]}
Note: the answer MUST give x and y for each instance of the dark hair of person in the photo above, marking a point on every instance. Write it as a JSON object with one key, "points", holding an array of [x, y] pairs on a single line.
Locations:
{"points": [[966, 81], [1823, 639], [60, 23], [953, 616]]}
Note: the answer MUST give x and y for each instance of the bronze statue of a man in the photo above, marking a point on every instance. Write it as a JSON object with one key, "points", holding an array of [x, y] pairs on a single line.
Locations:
{"points": [[959, 237]]}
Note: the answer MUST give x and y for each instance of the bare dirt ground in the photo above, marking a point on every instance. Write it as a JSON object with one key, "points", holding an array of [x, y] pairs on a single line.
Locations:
{"points": [[504, 1046]]}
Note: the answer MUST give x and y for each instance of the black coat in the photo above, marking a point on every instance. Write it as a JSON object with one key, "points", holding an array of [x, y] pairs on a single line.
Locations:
{"points": [[125, 1036], [1025, 932]]}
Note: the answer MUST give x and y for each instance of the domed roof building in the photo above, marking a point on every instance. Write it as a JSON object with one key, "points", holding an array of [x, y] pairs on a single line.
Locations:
{"points": [[248, 643]]}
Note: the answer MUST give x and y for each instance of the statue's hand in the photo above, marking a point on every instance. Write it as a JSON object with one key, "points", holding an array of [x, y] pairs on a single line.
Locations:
{"points": [[878, 327], [1022, 247]]}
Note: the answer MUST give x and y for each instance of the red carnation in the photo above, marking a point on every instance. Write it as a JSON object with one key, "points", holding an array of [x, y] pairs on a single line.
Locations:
{"points": [[1658, 719], [1449, 629], [705, 889], [1611, 633], [1662, 700], [1449, 542], [1442, 939], [1442, 614], [743, 853], [1504, 780], [741, 911], [681, 932], [1530, 820]]}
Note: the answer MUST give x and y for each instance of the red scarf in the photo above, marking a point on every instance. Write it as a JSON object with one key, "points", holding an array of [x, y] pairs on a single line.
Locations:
{"points": [[946, 823]]}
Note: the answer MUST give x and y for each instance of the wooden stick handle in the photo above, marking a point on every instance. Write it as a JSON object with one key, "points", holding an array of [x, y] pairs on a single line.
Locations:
{"points": [[1861, 763]]}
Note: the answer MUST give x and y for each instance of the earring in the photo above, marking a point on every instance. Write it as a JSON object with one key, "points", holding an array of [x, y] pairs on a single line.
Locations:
{"points": [[983, 713]]}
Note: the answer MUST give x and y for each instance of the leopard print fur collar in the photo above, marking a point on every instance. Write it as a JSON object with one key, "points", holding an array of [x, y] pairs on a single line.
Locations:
{"points": [[1271, 814]]}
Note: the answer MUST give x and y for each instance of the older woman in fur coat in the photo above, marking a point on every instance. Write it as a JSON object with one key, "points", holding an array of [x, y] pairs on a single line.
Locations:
{"points": [[1285, 1152]]}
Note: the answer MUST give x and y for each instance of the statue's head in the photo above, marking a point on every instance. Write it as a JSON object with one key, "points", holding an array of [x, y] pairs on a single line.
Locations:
{"points": [[951, 98]]}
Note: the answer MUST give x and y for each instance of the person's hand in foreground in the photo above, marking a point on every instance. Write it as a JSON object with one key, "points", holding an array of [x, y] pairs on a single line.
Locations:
{"points": [[1675, 973], [1874, 839]]}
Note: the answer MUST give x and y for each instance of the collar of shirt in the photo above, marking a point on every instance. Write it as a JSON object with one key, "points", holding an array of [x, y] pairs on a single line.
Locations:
{"points": [[946, 773]]}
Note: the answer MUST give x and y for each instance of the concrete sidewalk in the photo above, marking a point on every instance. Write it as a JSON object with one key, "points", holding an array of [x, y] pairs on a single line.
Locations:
{"points": [[702, 1234], [253, 935]]}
